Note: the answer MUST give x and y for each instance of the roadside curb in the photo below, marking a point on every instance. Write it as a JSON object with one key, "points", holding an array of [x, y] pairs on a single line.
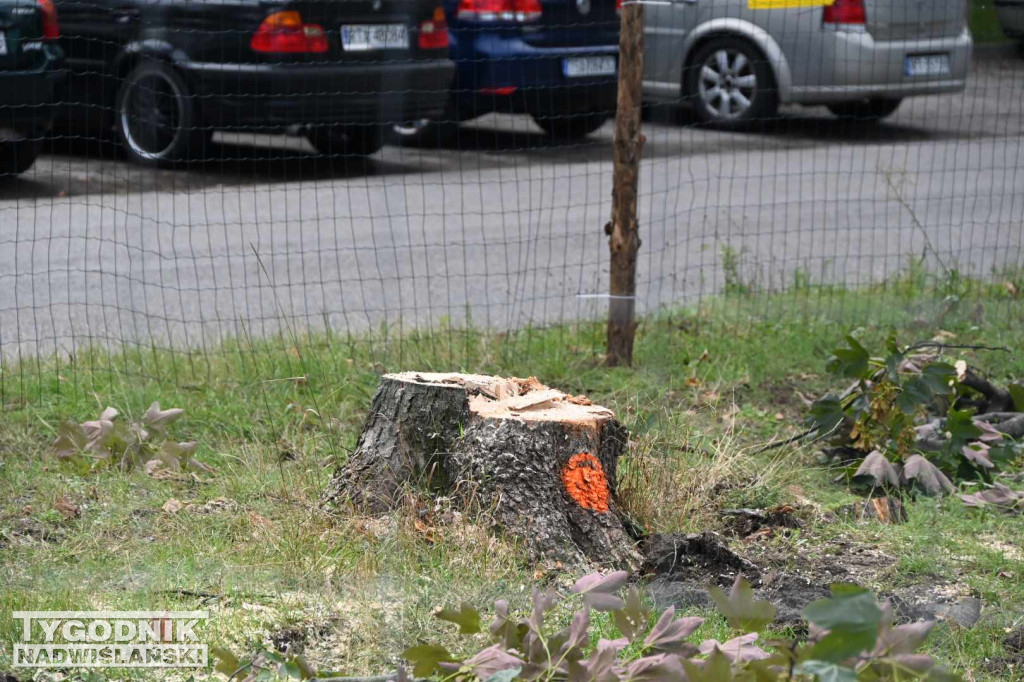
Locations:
{"points": [[998, 51]]}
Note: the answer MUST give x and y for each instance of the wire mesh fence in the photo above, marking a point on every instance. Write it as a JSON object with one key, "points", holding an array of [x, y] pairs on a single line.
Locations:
{"points": [[208, 172]]}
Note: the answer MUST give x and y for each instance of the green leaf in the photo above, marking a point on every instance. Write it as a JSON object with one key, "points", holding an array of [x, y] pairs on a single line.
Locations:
{"points": [[849, 362], [961, 428], [853, 618], [467, 618], [632, 618], [716, 668], [824, 671], [826, 414], [227, 662], [505, 675], [291, 669], [892, 366], [1017, 393], [938, 376], [915, 393], [425, 658], [740, 609]]}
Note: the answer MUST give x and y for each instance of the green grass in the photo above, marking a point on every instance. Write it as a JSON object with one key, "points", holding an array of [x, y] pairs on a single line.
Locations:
{"points": [[984, 23], [273, 417]]}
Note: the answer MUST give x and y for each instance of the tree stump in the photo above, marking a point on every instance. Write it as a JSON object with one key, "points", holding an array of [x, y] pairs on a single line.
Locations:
{"points": [[541, 462]]}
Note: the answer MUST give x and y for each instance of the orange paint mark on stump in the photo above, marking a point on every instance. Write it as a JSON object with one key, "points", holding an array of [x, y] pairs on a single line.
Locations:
{"points": [[584, 480]]}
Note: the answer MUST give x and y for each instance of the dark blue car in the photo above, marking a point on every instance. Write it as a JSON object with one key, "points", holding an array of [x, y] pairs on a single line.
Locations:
{"points": [[553, 59]]}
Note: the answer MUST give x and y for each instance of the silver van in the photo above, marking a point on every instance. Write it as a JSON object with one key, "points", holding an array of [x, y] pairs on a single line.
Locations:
{"points": [[736, 61]]}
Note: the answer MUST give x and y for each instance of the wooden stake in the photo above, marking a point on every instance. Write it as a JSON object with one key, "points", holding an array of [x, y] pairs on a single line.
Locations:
{"points": [[623, 229]]}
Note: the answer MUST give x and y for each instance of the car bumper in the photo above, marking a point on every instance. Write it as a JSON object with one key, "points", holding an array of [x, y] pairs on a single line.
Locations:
{"points": [[1011, 17], [247, 96], [503, 73], [860, 67], [28, 98]]}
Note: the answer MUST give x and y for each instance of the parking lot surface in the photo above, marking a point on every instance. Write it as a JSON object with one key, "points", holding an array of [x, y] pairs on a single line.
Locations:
{"points": [[503, 228]]}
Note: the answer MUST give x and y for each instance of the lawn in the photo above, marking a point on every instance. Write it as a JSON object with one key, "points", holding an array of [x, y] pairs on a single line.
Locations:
{"points": [[272, 418]]}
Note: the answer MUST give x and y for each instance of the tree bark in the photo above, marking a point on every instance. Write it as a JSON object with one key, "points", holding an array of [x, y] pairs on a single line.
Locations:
{"points": [[623, 229], [540, 463]]}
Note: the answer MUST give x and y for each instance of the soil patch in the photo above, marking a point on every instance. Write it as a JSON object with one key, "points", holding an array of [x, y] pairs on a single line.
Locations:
{"points": [[696, 557]]}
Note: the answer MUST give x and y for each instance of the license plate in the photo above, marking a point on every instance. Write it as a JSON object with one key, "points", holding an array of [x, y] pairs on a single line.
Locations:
{"points": [[928, 65], [3, 43], [581, 67], [364, 37]]}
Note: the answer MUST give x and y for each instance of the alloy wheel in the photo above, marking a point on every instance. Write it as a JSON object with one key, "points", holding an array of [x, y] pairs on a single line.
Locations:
{"points": [[151, 115], [727, 84]]}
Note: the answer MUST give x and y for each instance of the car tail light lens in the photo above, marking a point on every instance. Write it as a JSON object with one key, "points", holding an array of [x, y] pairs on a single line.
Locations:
{"points": [[51, 30], [504, 90], [287, 32], [618, 6], [434, 31], [500, 10], [845, 12]]}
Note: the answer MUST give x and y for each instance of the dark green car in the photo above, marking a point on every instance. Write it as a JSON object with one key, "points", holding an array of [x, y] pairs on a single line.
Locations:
{"points": [[31, 79]]}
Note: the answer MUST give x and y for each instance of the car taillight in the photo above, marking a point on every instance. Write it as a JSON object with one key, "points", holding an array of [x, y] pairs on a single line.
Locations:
{"points": [[618, 6], [51, 30], [434, 31], [500, 10], [845, 12], [287, 32]]}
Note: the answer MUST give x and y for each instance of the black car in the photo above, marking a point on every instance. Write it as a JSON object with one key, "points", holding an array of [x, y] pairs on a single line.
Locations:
{"points": [[31, 73], [164, 74]]}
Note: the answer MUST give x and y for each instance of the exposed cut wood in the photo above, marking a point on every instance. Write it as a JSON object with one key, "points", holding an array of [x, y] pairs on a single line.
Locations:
{"points": [[540, 462]]}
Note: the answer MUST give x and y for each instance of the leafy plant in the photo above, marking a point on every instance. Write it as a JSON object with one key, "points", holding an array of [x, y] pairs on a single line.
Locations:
{"points": [[912, 419], [850, 638], [111, 442]]}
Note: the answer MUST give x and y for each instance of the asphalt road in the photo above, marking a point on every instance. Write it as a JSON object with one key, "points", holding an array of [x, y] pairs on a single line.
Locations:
{"points": [[506, 229]]}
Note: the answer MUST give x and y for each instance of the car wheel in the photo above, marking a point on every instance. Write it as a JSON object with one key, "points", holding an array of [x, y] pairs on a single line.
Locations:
{"points": [[868, 110], [571, 127], [17, 156], [358, 140], [731, 84], [156, 116]]}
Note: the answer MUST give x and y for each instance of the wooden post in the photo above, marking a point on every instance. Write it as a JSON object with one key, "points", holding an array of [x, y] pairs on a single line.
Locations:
{"points": [[623, 230]]}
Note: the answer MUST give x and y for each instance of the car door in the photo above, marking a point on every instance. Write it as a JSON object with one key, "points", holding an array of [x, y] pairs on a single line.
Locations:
{"points": [[93, 34], [666, 25]]}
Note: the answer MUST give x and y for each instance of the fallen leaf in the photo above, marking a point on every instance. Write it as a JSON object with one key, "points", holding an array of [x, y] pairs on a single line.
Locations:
{"points": [[423, 529], [67, 508], [172, 506], [259, 521]]}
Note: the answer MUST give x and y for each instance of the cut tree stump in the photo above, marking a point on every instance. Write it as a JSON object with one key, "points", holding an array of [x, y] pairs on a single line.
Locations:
{"points": [[540, 462]]}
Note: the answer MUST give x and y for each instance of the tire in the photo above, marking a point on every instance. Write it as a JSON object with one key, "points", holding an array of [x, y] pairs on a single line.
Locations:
{"points": [[350, 140], [17, 156], [570, 127], [157, 120], [732, 67], [868, 110]]}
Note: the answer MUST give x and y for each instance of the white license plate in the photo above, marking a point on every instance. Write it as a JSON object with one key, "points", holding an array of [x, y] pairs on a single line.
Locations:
{"points": [[581, 67], [364, 37], [3, 43], [928, 65]]}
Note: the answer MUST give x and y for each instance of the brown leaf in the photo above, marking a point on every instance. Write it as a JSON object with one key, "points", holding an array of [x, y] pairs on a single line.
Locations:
{"points": [[172, 506], [68, 509], [259, 521], [423, 529]]}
